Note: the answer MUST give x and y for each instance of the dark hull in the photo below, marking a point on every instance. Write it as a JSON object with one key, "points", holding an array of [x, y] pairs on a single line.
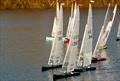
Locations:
{"points": [[45, 68], [66, 75], [94, 60], [84, 69], [118, 39]]}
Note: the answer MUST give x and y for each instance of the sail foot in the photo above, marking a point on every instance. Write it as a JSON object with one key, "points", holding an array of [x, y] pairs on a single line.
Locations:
{"points": [[118, 39], [84, 69], [97, 59], [65, 75], [45, 68]]}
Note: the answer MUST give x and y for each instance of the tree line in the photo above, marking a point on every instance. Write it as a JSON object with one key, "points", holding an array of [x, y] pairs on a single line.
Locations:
{"points": [[43, 4]]}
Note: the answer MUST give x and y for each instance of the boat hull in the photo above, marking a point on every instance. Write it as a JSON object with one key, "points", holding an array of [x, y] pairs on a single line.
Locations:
{"points": [[118, 39], [94, 60], [45, 68], [65, 75], [85, 69]]}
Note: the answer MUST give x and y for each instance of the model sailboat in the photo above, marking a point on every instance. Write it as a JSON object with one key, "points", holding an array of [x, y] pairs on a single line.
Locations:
{"points": [[70, 59], [57, 18], [85, 54], [118, 33], [66, 38], [56, 55], [102, 39]]}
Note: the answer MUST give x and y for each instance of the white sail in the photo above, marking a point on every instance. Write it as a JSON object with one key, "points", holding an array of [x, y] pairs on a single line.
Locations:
{"points": [[54, 27], [85, 55], [109, 26], [55, 18], [106, 20], [69, 26], [98, 46], [105, 31], [77, 17], [61, 19], [57, 55], [118, 33], [71, 54], [57, 10], [68, 53], [80, 56], [69, 29]]}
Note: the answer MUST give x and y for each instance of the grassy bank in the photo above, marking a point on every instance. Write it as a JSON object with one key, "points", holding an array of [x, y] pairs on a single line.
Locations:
{"points": [[43, 4]]}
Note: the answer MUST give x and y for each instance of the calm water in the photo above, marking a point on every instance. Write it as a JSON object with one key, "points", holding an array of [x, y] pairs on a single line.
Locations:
{"points": [[23, 49]]}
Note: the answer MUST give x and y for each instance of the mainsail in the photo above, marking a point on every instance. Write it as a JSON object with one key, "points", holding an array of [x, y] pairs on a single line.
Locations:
{"points": [[109, 26], [72, 50], [57, 55], [99, 41], [104, 33], [54, 27], [55, 18], [85, 54]]}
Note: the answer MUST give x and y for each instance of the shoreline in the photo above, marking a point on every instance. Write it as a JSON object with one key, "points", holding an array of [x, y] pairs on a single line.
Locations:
{"points": [[31, 4], [45, 8]]}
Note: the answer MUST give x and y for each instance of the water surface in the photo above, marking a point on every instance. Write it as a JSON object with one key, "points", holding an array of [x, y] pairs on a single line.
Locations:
{"points": [[23, 49]]}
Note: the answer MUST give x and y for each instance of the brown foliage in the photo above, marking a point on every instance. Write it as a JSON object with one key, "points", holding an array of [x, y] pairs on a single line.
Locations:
{"points": [[13, 4]]}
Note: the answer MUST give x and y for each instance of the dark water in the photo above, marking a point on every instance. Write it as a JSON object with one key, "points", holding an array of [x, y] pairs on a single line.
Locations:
{"points": [[23, 49]]}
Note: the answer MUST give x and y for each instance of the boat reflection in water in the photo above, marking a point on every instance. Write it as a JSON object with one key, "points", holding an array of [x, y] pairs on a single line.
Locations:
{"points": [[104, 70], [23, 48], [50, 75], [118, 44]]}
